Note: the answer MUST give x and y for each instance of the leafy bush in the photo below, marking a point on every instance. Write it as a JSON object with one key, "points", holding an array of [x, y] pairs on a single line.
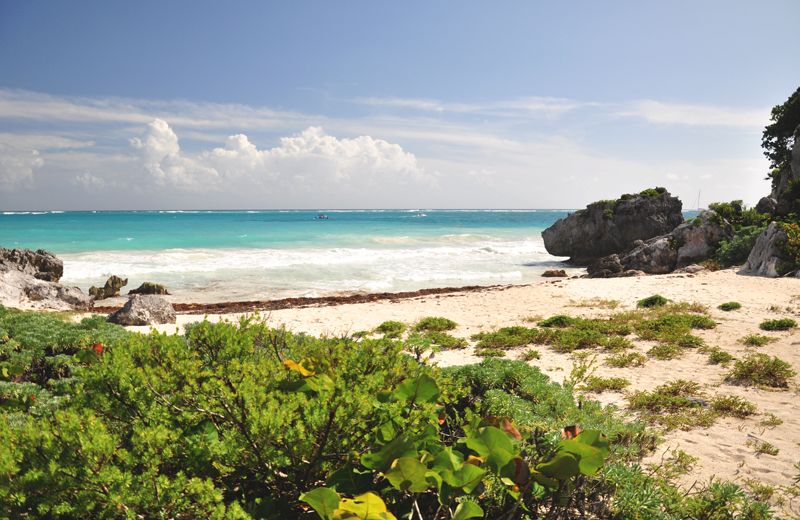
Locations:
{"points": [[652, 301], [665, 351], [717, 356], [445, 340], [529, 355], [435, 324], [599, 384], [730, 306], [784, 324], [626, 360], [790, 247], [736, 251], [759, 369], [757, 340], [391, 329]]}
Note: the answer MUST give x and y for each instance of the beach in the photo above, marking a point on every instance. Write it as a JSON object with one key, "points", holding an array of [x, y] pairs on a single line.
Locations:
{"points": [[723, 450]]}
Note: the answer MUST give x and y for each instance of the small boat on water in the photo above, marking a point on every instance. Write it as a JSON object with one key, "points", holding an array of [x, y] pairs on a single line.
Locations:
{"points": [[322, 216], [421, 214]]}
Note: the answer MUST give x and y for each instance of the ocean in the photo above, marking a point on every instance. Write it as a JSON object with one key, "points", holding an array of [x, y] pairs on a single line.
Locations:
{"points": [[217, 256]]}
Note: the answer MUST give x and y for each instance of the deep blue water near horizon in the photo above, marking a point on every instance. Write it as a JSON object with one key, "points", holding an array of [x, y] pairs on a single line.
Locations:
{"points": [[210, 256]]}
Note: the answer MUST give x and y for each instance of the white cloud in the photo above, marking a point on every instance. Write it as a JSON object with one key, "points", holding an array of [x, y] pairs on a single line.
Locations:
{"points": [[89, 181], [521, 107], [657, 112], [16, 166], [306, 161]]}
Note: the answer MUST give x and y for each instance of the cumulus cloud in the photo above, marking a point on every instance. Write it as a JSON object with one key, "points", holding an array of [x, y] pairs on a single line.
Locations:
{"points": [[21, 154], [308, 160]]}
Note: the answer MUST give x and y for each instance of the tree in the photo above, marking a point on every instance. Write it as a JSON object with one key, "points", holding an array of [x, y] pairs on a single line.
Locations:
{"points": [[777, 137]]}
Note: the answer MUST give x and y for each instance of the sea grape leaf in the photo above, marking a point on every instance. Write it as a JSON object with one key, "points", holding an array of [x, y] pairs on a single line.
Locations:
{"points": [[589, 459], [544, 480], [9, 371], [202, 433], [504, 424], [467, 510], [324, 501], [320, 382], [467, 477], [297, 367], [570, 432], [368, 506], [563, 466], [497, 459], [88, 356], [517, 471], [401, 446], [447, 459], [595, 439], [349, 480], [485, 440], [421, 389], [407, 474]]}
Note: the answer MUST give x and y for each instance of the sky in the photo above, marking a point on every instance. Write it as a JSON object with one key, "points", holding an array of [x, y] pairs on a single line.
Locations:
{"points": [[111, 105]]}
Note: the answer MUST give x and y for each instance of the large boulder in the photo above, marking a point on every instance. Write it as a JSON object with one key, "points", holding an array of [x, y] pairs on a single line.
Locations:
{"points": [[767, 206], [698, 239], [110, 289], [41, 264], [609, 227], [144, 310], [765, 257], [655, 256], [23, 291]]}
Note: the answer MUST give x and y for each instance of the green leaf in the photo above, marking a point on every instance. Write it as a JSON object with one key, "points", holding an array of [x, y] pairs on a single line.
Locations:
{"points": [[595, 439], [447, 459], [563, 466], [543, 480], [401, 446], [349, 480], [589, 459], [421, 389], [485, 440], [407, 474], [467, 477], [320, 382], [88, 356], [467, 510], [323, 500], [497, 459], [201, 434], [8, 371], [368, 506]]}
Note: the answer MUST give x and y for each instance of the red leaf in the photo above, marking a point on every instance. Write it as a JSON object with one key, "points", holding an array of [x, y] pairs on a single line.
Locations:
{"points": [[97, 347]]}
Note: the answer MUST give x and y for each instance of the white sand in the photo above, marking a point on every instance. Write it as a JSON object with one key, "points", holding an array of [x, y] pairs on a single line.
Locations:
{"points": [[722, 449]]}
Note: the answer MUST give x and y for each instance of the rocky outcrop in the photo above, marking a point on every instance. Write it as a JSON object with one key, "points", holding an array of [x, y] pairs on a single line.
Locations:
{"points": [[691, 242], [764, 259], [698, 239], [610, 227], [150, 288], [767, 206], [110, 289], [555, 273], [22, 291], [144, 310], [41, 264]]}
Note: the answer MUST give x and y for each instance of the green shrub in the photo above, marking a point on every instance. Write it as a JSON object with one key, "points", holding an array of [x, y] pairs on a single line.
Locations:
{"points": [[730, 306], [489, 352], [507, 337], [784, 324], [733, 406], [759, 369], [529, 355], [757, 340], [653, 301], [665, 351], [676, 404], [391, 329], [561, 321], [736, 251], [600, 384], [445, 340], [626, 360], [435, 324], [718, 356]]}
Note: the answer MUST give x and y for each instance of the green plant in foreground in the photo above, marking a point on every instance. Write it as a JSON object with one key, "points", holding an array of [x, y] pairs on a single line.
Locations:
{"points": [[665, 351], [718, 356], [784, 324], [730, 306], [445, 340], [391, 329], [771, 420], [653, 301], [600, 384], [757, 340], [760, 369], [764, 447], [434, 324], [530, 355]]}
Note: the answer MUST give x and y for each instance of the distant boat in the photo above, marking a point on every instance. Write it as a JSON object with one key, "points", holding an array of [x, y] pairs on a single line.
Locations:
{"points": [[421, 214], [322, 216]]}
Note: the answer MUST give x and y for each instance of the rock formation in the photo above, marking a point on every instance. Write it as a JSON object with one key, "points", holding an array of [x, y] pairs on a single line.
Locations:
{"points": [[149, 288], [767, 206], [764, 259], [29, 280], [555, 273], [110, 289], [608, 227], [41, 264], [691, 242], [144, 310]]}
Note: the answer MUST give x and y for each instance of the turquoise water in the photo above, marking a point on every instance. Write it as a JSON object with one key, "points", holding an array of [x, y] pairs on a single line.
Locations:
{"points": [[210, 256]]}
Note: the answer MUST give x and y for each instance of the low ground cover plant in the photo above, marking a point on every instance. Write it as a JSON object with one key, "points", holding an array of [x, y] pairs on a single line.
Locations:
{"points": [[760, 369], [717, 356], [757, 340], [730, 306], [783, 324], [653, 301], [391, 329], [600, 384], [626, 360], [434, 324], [445, 340]]}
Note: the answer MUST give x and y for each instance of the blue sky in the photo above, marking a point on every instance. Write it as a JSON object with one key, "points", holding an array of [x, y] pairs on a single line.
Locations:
{"points": [[181, 105]]}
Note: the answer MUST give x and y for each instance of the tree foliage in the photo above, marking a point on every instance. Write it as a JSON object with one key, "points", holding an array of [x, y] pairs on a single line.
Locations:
{"points": [[777, 137]]}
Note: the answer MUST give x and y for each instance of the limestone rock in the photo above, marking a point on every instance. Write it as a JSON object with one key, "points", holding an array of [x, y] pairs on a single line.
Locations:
{"points": [[110, 289], [41, 264], [144, 310], [698, 239], [150, 288], [606, 228], [606, 267], [796, 154], [764, 259], [767, 206], [555, 273], [655, 256], [22, 290]]}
